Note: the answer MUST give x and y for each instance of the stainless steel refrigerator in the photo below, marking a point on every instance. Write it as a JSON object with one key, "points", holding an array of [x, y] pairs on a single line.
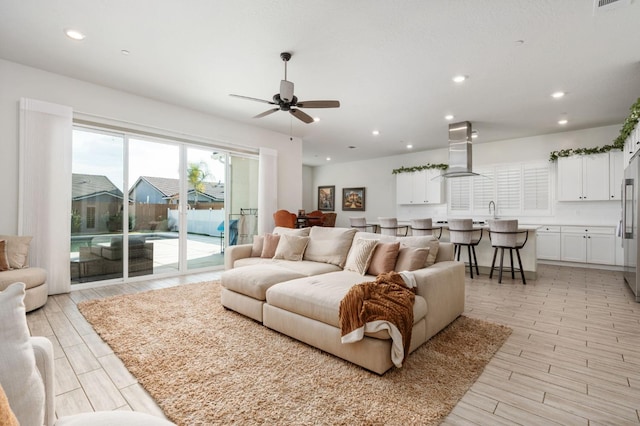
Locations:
{"points": [[630, 209]]}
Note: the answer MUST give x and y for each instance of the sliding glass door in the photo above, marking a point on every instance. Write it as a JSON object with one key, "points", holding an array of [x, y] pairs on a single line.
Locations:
{"points": [[149, 206]]}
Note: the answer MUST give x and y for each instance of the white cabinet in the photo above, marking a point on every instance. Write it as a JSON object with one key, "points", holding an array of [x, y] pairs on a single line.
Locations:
{"points": [[548, 242], [616, 174], [422, 187], [588, 244], [583, 177]]}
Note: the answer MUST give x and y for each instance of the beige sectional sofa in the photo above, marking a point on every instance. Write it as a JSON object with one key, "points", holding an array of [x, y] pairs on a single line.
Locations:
{"points": [[301, 298]]}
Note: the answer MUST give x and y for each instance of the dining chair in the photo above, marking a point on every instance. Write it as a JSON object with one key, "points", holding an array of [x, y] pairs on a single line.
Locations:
{"points": [[504, 234], [463, 234], [315, 218], [421, 227], [285, 218], [360, 223], [330, 219], [389, 226]]}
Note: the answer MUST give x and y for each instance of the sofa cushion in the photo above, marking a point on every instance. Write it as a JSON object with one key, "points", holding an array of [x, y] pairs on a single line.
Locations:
{"points": [[291, 247], [31, 277], [384, 258], [329, 245], [304, 267], [301, 232], [359, 256], [319, 297], [19, 376], [427, 241], [270, 245], [4, 261], [253, 281], [17, 250], [411, 258]]}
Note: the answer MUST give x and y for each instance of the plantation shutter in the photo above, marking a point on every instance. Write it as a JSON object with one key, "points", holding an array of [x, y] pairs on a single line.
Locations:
{"points": [[459, 199], [509, 189], [483, 190], [536, 194]]}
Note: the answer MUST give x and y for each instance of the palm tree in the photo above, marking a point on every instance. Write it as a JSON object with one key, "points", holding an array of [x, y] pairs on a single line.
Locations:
{"points": [[196, 174]]}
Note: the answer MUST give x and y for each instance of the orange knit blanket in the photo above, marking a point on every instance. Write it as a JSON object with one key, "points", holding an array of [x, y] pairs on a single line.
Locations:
{"points": [[383, 304]]}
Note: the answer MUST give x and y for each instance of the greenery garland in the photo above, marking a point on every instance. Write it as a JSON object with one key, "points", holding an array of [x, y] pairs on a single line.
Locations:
{"points": [[618, 143], [420, 168]]}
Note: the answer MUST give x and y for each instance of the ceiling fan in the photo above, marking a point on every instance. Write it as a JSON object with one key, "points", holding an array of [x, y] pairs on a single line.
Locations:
{"points": [[287, 101]]}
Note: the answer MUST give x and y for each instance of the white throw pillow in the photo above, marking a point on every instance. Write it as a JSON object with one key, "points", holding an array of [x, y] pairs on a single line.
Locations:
{"points": [[291, 247], [360, 255], [18, 373]]}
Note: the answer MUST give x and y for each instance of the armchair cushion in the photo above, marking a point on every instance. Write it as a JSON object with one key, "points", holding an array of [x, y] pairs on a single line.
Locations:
{"points": [[18, 373], [4, 260], [17, 250]]}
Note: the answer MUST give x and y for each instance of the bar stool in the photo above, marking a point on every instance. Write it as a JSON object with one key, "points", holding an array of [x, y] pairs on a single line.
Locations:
{"points": [[360, 223], [389, 226], [421, 227], [504, 235], [462, 233]]}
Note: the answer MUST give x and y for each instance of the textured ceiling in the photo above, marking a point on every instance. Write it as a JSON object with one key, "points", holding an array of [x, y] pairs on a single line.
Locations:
{"points": [[390, 63]]}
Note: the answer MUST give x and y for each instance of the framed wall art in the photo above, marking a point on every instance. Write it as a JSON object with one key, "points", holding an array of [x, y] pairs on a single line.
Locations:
{"points": [[327, 198], [353, 199]]}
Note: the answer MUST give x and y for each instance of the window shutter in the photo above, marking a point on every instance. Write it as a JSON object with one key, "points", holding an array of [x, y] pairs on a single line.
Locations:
{"points": [[535, 178], [509, 189], [459, 199], [483, 190]]}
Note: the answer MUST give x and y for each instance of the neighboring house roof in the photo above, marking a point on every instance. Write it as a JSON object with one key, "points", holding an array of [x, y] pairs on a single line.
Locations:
{"points": [[87, 186], [171, 187]]}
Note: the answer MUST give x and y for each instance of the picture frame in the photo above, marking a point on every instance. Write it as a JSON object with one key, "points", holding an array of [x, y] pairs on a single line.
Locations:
{"points": [[353, 199], [327, 198]]}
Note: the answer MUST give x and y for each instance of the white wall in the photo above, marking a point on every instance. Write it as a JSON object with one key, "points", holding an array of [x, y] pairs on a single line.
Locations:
{"points": [[380, 184], [18, 81]]}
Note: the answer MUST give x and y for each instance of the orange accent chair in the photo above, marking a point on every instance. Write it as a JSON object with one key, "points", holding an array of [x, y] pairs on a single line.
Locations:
{"points": [[329, 219], [285, 218], [315, 218]]}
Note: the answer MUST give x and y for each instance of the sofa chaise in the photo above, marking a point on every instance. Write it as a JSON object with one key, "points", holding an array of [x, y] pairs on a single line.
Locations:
{"points": [[298, 293]]}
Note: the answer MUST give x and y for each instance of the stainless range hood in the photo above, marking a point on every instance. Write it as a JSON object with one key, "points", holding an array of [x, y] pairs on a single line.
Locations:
{"points": [[460, 157]]}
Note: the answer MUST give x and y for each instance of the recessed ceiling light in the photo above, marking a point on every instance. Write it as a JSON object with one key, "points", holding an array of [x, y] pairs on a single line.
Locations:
{"points": [[375, 133], [74, 34], [316, 119], [125, 52], [519, 42], [328, 158], [409, 146], [351, 147], [557, 95], [474, 134], [459, 78], [563, 121], [448, 117]]}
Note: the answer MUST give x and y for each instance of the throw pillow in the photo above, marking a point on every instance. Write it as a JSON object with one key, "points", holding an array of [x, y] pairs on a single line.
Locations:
{"points": [[7, 418], [258, 243], [4, 261], [384, 258], [411, 258], [427, 241], [291, 247], [270, 245], [329, 245], [360, 255], [19, 376], [17, 250]]}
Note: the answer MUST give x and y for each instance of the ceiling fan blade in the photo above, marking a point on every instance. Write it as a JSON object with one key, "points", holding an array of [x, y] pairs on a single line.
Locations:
{"points": [[253, 99], [318, 104], [267, 112], [301, 115]]}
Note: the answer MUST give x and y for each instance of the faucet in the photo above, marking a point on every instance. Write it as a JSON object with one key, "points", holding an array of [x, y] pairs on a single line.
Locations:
{"points": [[491, 203]]}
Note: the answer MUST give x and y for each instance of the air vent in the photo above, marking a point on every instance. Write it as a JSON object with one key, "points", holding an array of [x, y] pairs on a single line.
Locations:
{"points": [[600, 6]]}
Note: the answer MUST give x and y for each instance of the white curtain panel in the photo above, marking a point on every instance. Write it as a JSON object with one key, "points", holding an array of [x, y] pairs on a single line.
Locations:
{"points": [[44, 204], [267, 189]]}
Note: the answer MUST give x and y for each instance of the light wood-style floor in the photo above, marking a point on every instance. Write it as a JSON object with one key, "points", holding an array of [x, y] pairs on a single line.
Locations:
{"points": [[573, 357]]}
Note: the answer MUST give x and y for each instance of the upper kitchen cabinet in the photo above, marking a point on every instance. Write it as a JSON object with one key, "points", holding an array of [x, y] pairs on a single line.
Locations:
{"points": [[616, 174], [584, 178], [421, 187]]}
